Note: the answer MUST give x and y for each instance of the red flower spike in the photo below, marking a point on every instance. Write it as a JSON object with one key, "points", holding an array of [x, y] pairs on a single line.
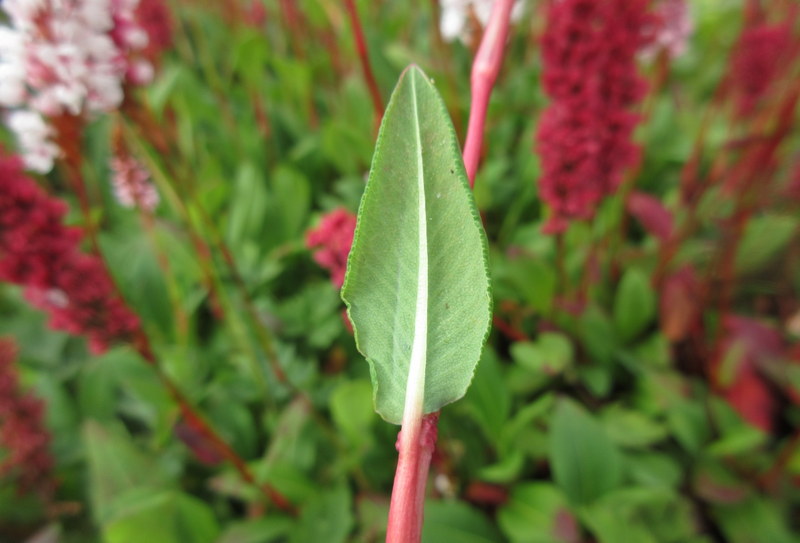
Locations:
{"points": [[23, 436], [589, 70], [758, 58], [41, 254]]}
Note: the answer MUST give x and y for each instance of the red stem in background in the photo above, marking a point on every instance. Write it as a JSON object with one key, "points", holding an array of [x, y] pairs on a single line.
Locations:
{"points": [[417, 441], [485, 69], [67, 128], [363, 55]]}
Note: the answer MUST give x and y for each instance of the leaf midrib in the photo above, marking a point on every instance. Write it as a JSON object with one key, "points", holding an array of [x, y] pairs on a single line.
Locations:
{"points": [[415, 385]]}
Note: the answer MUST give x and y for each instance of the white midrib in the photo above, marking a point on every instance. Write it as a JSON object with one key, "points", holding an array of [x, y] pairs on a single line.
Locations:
{"points": [[415, 386]]}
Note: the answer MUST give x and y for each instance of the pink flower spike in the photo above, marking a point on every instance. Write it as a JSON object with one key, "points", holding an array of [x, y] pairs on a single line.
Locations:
{"points": [[332, 240], [132, 186]]}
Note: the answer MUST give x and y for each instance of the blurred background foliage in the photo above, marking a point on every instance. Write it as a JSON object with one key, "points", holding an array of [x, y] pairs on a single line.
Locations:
{"points": [[613, 403]]}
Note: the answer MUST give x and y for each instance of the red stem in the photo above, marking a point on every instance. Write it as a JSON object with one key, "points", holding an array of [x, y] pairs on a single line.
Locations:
{"points": [[67, 135], [416, 446], [363, 55], [485, 69]]}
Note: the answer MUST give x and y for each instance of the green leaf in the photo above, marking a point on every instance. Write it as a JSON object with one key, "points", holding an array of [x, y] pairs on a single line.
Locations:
{"points": [[739, 441], [417, 285], [654, 469], [488, 401], [504, 471], [530, 515], [550, 355], [634, 305], [350, 410], [116, 467], [456, 521], [597, 335], [754, 520], [328, 517], [168, 517], [688, 422], [585, 462], [262, 530], [630, 516], [764, 239], [630, 428]]}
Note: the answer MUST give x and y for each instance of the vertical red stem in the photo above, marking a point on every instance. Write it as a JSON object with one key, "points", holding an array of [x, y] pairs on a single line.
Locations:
{"points": [[416, 446], [484, 73]]}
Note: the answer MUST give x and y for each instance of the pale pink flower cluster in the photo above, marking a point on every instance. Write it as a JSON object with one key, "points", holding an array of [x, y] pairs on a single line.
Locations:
{"points": [[132, 186], [455, 16], [673, 29], [34, 139], [65, 57]]}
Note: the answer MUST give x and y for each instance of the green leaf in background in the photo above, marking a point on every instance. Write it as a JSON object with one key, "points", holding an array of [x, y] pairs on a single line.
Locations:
{"points": [[326, 517], [116, 467], [550, 355], [764, 239], [262, 530], [585, 462], [598, 335], [168, 517], [531, 514], [487, 401], [417, 286], [754, 520], [133, 263], [350, 403], [456, 521], [630, 428], [634, 305], [654, 469], [640, 515]]}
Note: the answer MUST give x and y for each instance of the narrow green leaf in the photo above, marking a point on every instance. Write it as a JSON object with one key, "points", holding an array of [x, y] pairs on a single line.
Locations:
{"points": [[417, 285], [764, 239], [634, 305]]}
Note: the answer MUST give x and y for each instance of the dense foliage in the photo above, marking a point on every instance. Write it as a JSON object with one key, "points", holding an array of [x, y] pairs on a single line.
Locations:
{"points": [[175, 362]]}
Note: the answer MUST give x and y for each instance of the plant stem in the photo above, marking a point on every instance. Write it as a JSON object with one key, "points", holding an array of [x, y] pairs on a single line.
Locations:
{"points": [[190, 413], [415, 444], [485, 69], [141, 343], [417, 440], [363, 55]]}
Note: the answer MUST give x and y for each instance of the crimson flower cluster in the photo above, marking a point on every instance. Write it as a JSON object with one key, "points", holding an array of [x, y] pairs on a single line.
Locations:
{"points": [[759, 57], [332, 240], [589, 71], [38, 252], [22, 433]]}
